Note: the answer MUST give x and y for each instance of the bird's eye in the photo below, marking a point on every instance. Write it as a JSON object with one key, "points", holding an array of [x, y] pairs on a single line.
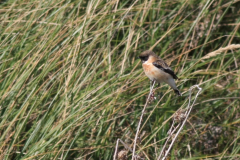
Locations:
{"points": [[145, 58]]}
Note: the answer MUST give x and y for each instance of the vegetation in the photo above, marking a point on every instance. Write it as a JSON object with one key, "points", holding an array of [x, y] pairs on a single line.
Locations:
{"points": [[71, 82]]}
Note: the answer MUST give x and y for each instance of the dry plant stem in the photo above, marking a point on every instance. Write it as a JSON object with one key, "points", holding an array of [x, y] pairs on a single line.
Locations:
{"points": [[116, 148], [189, 108], [220, 50], [139, 124], [170, 134]]}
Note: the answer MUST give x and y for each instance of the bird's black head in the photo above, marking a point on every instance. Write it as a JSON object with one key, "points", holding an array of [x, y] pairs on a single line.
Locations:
{"points": [[145, 55]]}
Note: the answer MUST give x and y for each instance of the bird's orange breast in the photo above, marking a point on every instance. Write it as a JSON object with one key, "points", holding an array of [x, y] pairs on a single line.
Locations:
{"points": [[149, 71], [154, 73]]}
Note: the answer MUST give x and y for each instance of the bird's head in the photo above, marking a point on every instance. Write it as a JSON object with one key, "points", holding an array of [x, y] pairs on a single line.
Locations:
{"points": [[144, 56]]}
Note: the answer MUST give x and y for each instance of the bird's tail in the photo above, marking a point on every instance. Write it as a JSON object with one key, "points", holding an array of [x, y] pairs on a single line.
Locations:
{"points": [[177, 92]]}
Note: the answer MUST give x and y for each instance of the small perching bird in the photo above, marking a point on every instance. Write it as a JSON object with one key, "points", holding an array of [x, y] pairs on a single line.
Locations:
{"points": [[157, 70]]}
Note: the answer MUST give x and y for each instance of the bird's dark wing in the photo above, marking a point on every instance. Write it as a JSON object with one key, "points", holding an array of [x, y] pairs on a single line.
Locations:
{"points": [[164, 67]]}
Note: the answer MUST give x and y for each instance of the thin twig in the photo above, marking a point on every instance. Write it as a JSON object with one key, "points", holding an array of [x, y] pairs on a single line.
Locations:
{"points": [[139, 124], [116, 148], [169, 136], [189, 108]]}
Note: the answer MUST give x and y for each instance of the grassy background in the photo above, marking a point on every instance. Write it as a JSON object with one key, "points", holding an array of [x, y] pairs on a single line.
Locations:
{"points": [[71, 82]]}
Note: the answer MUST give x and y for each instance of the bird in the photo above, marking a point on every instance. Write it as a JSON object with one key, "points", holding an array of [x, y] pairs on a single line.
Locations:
{"points": [[157, 70]]}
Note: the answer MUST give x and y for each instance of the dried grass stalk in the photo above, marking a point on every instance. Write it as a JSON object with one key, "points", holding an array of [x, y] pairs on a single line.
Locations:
{"points": [[220, 50]]}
